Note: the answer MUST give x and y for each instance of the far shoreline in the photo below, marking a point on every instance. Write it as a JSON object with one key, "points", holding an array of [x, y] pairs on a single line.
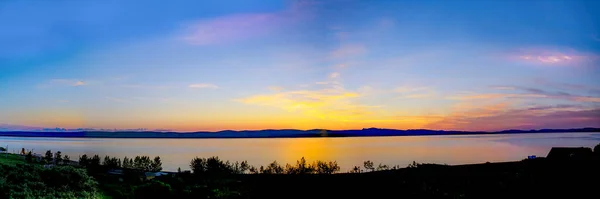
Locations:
{"points": [[289, 133]]}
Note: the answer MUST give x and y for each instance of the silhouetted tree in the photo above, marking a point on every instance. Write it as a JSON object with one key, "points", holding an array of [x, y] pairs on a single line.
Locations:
{"points": [[111, 162], [382, 167], [597, 149], [29, 157], [126, 163], [321, 167], [117, 161], [142, 163], [48, 158], [106, 161], [83, 160], [156, 164], [211, 166], [413, 165], [273, 168], [95, 161], [23, 151], [67, 160], [198, 165], [58, 158], [252, 170], [356, 169], [214, 165], [368, 165], [244, 167], [178, 169]]}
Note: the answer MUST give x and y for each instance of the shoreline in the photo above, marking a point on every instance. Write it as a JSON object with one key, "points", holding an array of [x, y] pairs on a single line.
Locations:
{"points": [[277, 133], [54, 135]]}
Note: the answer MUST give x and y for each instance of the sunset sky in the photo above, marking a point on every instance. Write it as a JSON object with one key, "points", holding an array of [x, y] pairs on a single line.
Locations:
{"points": [[304, 64]]}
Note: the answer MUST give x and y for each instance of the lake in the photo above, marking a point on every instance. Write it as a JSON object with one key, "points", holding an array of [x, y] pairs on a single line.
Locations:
{"points": [[347, 151]]}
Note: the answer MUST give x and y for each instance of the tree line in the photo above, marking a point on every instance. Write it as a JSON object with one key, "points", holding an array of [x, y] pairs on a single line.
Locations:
{"points": [[214, 165], [143, 163], [49, 158], [211, 165]]}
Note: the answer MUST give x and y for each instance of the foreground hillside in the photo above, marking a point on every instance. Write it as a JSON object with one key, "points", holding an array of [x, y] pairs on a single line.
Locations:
{"points": [[527, 179], [575, 175]]}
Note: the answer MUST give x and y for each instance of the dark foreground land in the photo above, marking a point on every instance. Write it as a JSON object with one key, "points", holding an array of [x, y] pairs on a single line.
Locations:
{"points": [[527, 179], [567, 174]]}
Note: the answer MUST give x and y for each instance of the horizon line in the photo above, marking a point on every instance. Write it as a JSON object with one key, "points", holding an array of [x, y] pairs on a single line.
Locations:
{"points": [[272, 129]]}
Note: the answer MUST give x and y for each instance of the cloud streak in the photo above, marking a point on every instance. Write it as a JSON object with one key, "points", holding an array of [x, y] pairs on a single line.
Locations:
{"points": [[528, 92], [203, 86], [238, 27], [499, 117], [68, 82], [552, 56]]}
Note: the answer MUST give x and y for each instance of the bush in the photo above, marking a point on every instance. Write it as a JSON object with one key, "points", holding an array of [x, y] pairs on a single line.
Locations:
{"points": [[211, 166], [34, 181]]}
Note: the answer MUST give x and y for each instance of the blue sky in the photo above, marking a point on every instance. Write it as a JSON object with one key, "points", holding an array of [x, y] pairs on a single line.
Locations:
{"points": [[337, 64]]}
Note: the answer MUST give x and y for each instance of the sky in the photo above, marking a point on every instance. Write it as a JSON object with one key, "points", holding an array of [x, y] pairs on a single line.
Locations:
{"points": [[302, 64]]}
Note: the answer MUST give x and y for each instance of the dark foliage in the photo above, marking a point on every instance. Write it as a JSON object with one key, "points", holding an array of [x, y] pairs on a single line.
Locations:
{"points": [[48, 157], [29, 157], [58, 159], [84, 160], [34, 181]]}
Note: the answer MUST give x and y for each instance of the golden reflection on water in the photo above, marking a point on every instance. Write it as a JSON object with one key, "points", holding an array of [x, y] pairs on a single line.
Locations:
{"points": [[347, 152]]}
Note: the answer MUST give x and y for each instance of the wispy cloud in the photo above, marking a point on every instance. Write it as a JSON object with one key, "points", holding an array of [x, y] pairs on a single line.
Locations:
{"points": [[203, 86], [334, 75], [503, 87], [68, 82], [568, 86], [500, 117], [238, 27], [552, 56], [527, 92], [138, 86]]}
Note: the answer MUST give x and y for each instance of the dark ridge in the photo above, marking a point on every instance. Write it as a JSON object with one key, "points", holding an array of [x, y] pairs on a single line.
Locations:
{"points": [[275, 133]]}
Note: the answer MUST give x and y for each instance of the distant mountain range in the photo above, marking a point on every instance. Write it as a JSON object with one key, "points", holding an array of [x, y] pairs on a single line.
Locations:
{"points": [[268, 133]]}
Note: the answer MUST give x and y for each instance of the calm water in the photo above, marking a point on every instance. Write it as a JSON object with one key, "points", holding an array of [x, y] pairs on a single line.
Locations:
{"points": [[455, 149]]}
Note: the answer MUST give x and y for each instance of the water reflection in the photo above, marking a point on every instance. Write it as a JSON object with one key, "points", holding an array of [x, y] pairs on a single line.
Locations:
{"points": [[346, 151]]}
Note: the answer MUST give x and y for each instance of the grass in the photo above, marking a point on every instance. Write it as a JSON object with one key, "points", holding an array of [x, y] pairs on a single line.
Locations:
{"points": [[11, 159]]}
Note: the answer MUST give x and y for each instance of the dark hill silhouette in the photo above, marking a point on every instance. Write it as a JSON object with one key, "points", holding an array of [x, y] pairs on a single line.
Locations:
{"points": [[275, 133]]}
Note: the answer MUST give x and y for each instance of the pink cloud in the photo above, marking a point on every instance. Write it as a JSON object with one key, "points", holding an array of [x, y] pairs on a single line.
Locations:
{"points": [[238, 27], [492, 119], [552, 56], [231, 28]]}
